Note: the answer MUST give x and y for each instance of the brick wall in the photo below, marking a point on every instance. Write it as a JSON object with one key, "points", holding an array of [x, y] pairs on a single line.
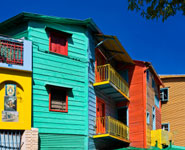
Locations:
{"points": [[30, 139]]}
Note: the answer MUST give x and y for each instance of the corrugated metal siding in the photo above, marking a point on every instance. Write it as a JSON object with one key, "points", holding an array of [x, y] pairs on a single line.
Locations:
{"points": [[91, 93], [136, 106], [173, 111], [62, 142]]}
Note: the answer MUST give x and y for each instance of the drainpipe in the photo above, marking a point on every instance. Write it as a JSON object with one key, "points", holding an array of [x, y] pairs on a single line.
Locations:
{"points": [[156, 143], [170, 143]]}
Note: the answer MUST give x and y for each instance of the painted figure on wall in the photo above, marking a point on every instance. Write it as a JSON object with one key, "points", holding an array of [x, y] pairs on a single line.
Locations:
{"points": [[10, 113], [10, 103]]}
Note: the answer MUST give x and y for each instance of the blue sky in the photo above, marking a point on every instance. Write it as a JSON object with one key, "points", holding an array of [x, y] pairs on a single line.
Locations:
{"points": [[163, 44]]}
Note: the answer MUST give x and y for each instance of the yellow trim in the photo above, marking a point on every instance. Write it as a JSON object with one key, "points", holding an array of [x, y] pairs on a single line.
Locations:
{"points": [[15, 69], [108, 75], [101, 135], [120, 139], [108, 135], [172, 76], [100, 83], [121, 93]]}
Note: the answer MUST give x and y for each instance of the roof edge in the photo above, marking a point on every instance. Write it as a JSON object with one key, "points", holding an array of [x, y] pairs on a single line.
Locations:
{"points": [[27, 16], [172, 76]]}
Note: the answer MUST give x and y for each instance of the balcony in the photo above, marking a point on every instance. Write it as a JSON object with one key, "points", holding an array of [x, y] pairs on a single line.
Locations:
{"points": [[15, 53], [11, 52], [108, 128], [161, 138], [110, 83]]}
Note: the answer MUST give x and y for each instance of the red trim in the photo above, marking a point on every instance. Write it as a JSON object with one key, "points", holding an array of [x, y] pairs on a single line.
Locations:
{"points": [[58, 48], [100, 124], [14, 52], [66, 101]]}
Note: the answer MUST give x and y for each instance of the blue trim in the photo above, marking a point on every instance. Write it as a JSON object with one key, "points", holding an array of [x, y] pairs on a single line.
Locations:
{"points": [[156, 101], [148, 75], [153, 118], [162, 94], [127, 116], [148, 117], [27, 58], [166, 124]]}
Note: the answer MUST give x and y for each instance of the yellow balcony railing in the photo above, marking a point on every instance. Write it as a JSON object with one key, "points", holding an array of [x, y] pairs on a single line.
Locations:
{"points": [[112, 127], [107, 73], [162, 137]]}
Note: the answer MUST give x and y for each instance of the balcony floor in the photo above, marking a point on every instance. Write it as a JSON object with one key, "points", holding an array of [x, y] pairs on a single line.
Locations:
{"points": [[104, 141], [110, 90]]}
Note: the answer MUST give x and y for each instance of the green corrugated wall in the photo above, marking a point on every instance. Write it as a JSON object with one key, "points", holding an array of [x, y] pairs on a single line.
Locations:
{"points": [[62, 142]]}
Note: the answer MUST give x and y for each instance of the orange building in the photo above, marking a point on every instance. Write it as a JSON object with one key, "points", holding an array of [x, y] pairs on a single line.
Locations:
{"points": [[173, 104], [145, 105]]}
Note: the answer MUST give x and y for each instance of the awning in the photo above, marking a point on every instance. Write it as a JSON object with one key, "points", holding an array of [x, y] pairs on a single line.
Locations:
{"points": [[58, 85], [114, 47], [53, 28]]}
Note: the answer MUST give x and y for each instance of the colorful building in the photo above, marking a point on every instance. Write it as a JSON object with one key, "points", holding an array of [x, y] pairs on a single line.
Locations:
{"points": [[15, 89], [87, 92], [173, 103], [109, 95], [61, 49], [145, 107]]}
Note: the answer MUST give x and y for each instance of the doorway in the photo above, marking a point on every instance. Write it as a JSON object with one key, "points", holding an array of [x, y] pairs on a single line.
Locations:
{"points": [[100, 116], [122, 115]]}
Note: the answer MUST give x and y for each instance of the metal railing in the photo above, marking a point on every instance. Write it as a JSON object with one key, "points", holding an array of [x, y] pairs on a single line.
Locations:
{"points": [[107, 73], [10, 140], [166, 136], [109, 125], [11, 52], [162, 137]]}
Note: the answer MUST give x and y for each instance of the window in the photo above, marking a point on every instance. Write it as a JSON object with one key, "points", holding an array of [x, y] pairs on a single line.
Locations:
{"points": [[156, 101], [153, 118], [58, 43], [153, 83], [164, 92], [148, 117], [148, 75], [58, 99], [166, 126]]}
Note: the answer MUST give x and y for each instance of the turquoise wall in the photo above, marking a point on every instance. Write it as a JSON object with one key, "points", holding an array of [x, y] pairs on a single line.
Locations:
{"points": [[65, 71], [62, 142]]}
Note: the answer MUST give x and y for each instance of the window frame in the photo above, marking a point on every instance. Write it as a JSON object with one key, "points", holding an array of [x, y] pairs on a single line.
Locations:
{"points": [[61, 35], [162, 93], [166, 124], [157, 101], [148, 117], [148, 75], [59, 88]]}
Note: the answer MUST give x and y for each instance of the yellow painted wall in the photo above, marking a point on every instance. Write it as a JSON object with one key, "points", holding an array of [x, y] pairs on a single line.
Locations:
{"points": [[23, 81], [161, 136]]}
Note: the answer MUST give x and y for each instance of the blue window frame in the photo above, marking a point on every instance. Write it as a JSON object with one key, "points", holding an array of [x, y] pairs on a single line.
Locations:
{"points": [[153, 118], [166, 126], [156, 101], [148, 75], [153, 83], [148, 117], [164, 92]]}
